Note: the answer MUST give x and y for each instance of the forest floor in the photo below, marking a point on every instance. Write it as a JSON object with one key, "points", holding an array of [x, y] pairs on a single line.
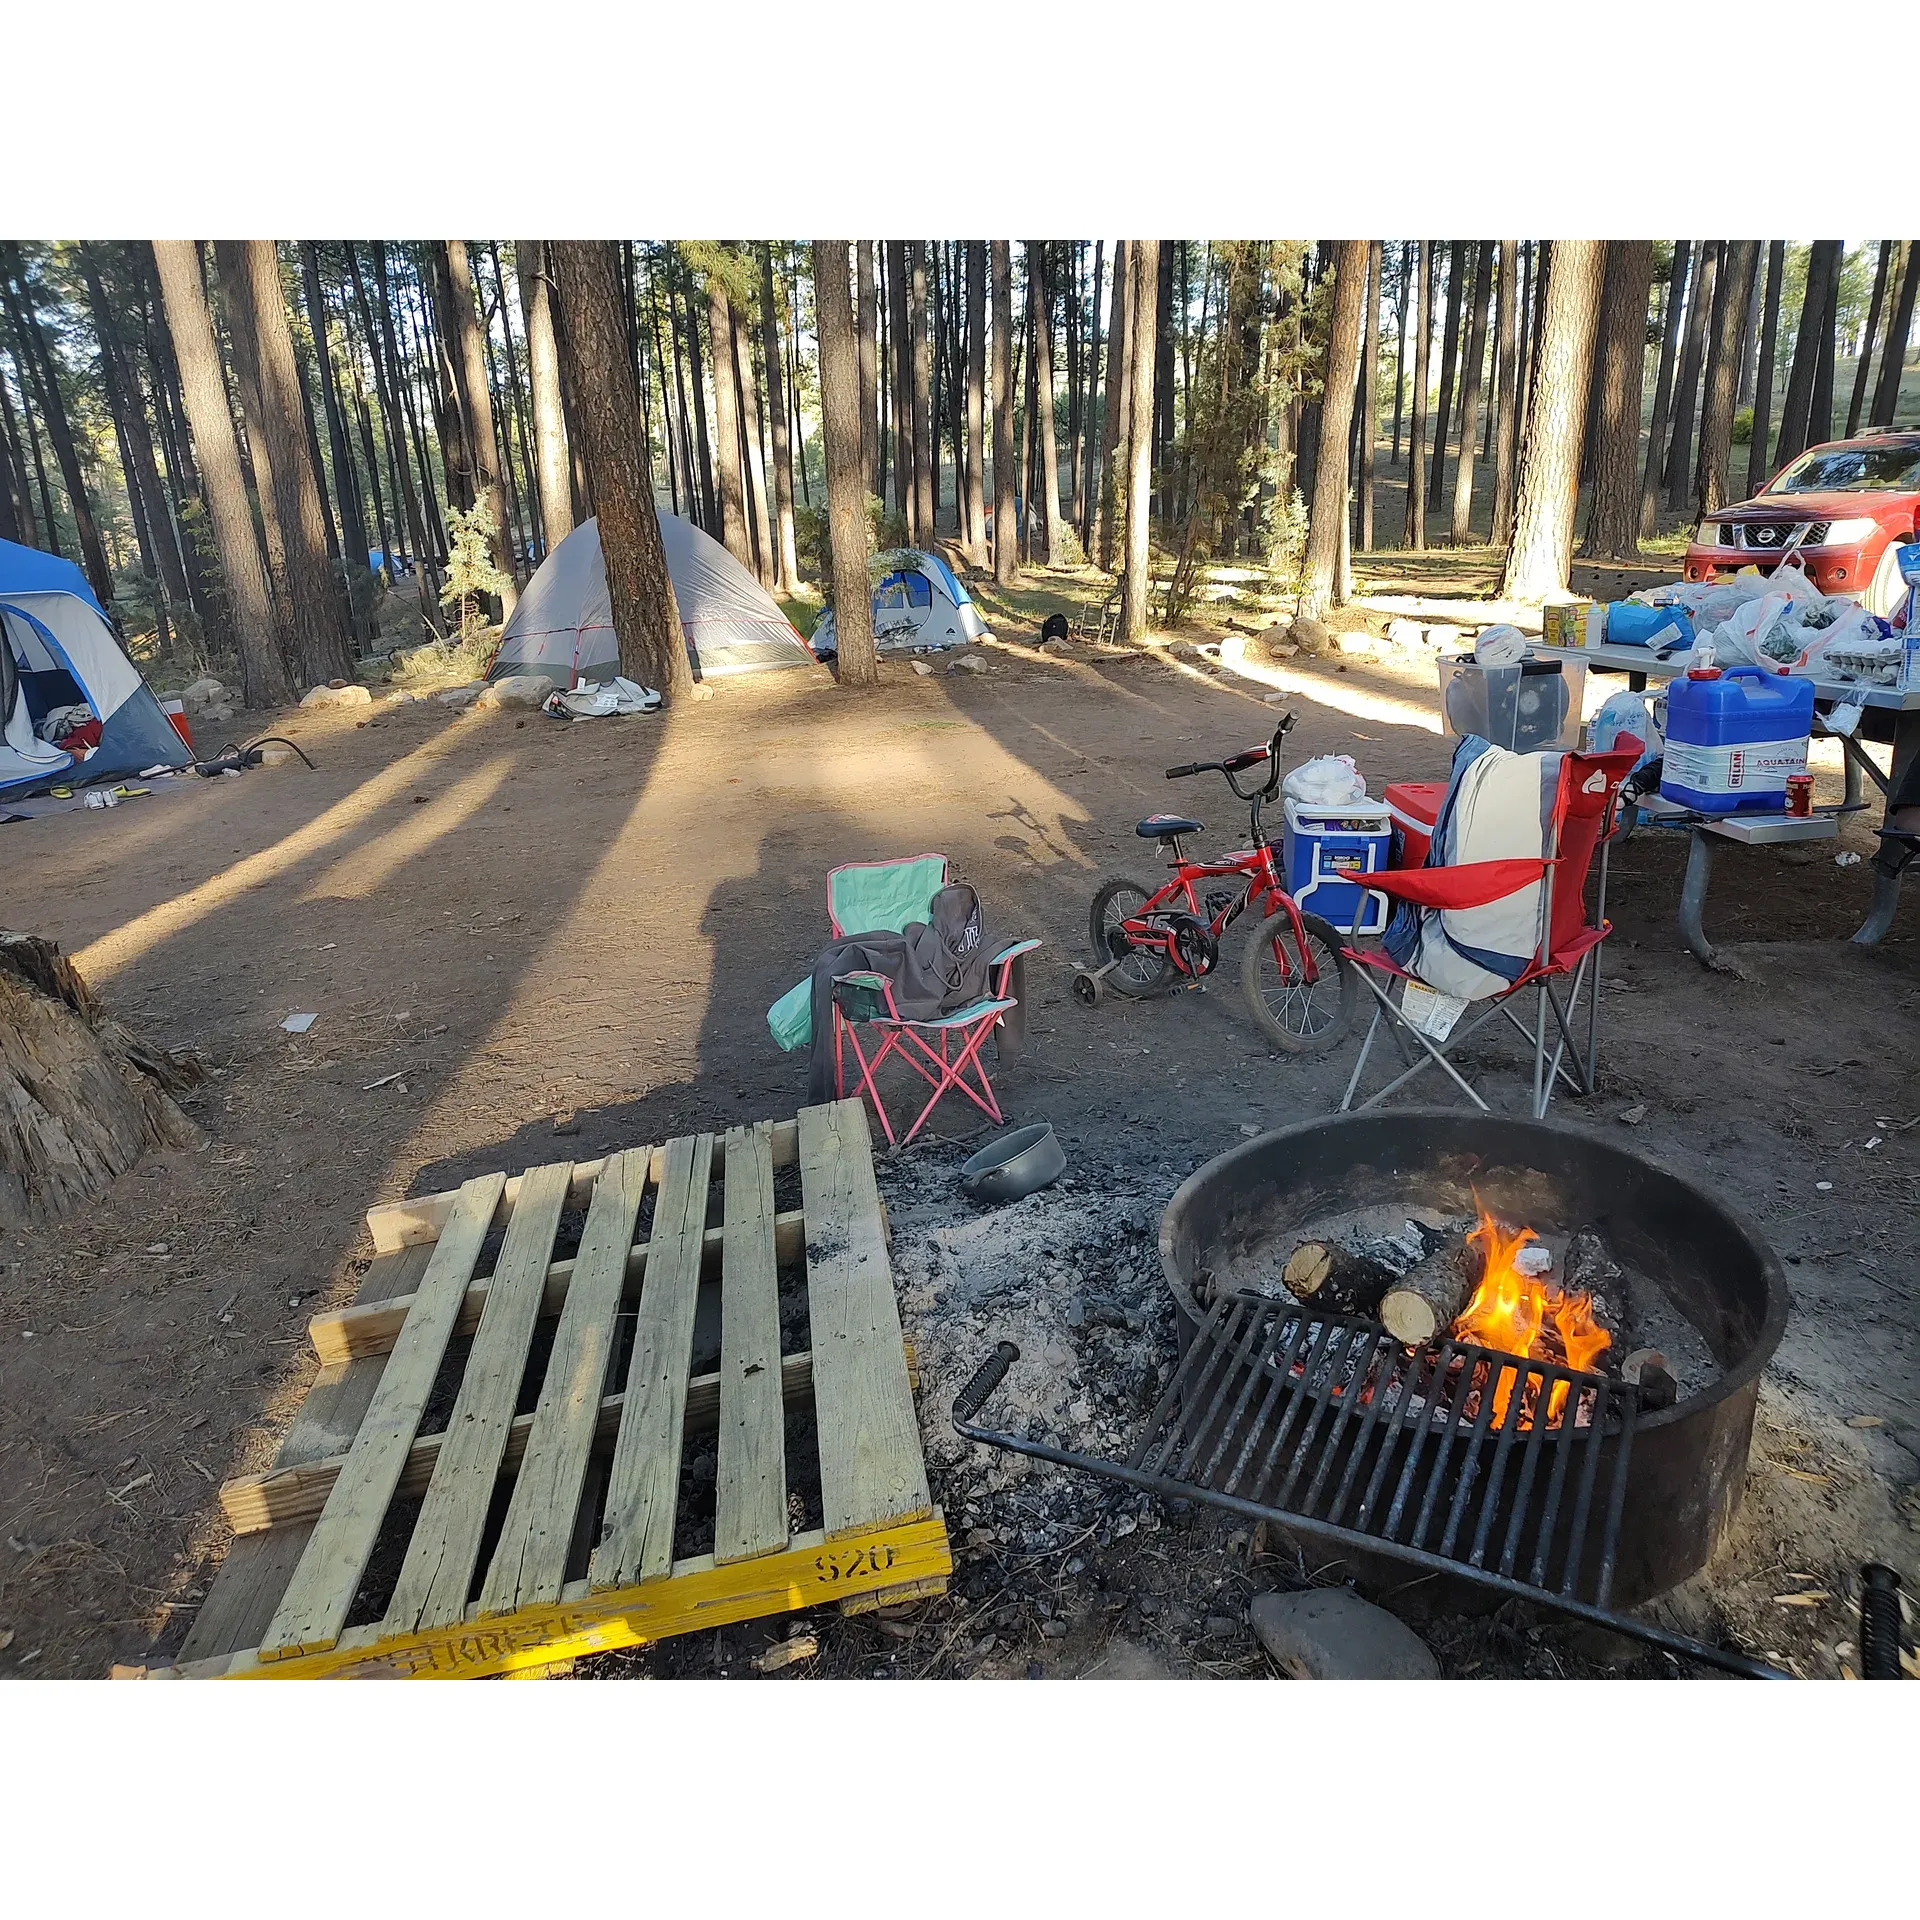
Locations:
{"points": [[529, 920]]}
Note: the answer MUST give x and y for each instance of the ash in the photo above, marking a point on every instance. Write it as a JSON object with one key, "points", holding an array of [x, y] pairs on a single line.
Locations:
{"points": [[1072, 1277]]}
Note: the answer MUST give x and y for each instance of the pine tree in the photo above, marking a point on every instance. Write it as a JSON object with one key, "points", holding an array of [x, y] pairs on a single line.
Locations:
{"points": [[846, 464]]}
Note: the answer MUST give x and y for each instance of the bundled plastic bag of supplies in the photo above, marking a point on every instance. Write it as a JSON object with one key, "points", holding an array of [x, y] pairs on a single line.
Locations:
{"points": [[1331, 781]]}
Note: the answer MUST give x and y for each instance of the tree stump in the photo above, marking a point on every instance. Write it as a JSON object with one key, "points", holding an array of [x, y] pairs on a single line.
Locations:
{"points": [[81, 1099]]}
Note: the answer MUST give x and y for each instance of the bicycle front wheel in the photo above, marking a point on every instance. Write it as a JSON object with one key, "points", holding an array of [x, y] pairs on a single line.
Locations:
{"points": [[1137, 971], [1298, 1014]]}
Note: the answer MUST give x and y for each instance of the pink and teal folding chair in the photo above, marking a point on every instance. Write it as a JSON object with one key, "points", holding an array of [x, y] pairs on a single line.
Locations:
{"points": [[884, 896]]}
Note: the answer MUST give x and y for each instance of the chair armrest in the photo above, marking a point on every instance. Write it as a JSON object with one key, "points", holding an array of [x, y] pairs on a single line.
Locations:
{"points": [[1000, 967], [1478, 884], [864, 996]]}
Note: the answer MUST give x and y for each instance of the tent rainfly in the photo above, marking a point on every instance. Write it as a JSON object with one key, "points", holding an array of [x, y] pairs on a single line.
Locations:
{"points": [[919, 606], [563, 626], [57, 651]]}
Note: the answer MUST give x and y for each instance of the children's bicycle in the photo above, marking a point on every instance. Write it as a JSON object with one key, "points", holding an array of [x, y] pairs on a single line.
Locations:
{"points": [[1299, 988]]}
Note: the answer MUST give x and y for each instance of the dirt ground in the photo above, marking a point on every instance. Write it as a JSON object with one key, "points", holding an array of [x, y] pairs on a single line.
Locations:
{"points": [[526, 920]]}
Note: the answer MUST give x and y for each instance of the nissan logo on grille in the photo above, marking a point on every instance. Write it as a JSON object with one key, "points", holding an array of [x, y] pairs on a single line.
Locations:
{"points": [[1766, 536]]}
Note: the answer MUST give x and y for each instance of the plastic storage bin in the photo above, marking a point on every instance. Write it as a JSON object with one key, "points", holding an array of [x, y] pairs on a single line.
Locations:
{"points": [[1528, 708], [1415, 806], [1324, 852], [1733, 740]]}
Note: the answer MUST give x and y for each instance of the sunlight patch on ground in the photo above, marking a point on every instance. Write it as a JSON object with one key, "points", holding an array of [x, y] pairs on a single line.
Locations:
{"points": [[368, 867], [1357, 703], [101, 959]]}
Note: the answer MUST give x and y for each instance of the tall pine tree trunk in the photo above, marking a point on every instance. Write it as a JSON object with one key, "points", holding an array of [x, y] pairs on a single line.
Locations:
{"points": [[483, 444], [1723, 371], [1893, 361], [846, 464], [1820, 425], [726, 426], [1400, 354], [380, 350], [250, 269], [552, 479], [1006, 512], [353, 529], [1542, 549], [900, 374], [1759, 469], [613, 447], [1324, 586], [1449, 352], [926, 462], [1370, 389], [1087, 487], [975, 529], [1864, 366], [1143, 333], [1657, 435], [1506, 430], [1040, 290], [762, 526], [1415, 530], [1678, 473], [53, 410], [1461, 529], [1796, 411], [1113, 420], [789, 569], [1613, 518], [869, 347]]}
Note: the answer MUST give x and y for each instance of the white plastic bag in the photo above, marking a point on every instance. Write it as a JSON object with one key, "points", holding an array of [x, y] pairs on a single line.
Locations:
{"points": [[1331, 781], [607, 696], [1500, 646]]}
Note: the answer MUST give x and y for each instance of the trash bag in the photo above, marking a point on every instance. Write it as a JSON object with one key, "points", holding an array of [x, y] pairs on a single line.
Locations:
{"points": [[1331, 781], [604, 697]]}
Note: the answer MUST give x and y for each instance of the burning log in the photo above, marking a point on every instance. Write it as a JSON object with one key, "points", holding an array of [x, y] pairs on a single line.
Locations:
{"points": [[1588, 1266], [1652, 1372], [1335, 1277], [1421, 1305]]}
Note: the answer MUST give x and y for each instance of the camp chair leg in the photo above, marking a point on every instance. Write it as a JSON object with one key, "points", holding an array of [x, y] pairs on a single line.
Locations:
{"points": [[1360, 1065], [1433, 1055], [952, 1070], [867, 1084], [1541, 1095]]}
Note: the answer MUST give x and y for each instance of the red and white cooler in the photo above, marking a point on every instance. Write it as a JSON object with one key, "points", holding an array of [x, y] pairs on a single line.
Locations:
{"points": [[1415, 805]]}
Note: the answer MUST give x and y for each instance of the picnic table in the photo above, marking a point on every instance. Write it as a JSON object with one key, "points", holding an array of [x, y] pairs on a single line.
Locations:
{"points": [[1639, 664]]}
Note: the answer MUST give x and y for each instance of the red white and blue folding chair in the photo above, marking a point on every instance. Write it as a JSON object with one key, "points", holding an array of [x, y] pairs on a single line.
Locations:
{"points": [[1583, 816], [883, 896]]}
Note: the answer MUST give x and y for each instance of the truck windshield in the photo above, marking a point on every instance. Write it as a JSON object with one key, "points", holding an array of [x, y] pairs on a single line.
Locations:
{"points": [[1889, 469]]}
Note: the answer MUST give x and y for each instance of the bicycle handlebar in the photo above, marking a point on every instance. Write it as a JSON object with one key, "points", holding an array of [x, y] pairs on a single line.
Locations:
{"points": [[1239, 762]]}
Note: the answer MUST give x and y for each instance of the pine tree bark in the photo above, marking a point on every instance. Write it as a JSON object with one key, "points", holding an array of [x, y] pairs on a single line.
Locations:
{"points": [[869, 345], [1723, 371], [483, 443], [612, 434], [1449, 355], [726, 425], [1415, 531], [49, 529], [1370, 389], [788, 570], [900, 342], [353, 529], [1323, 586], [1820, 426], [1613, 518], [1759, 468], [1506, 432], [1143, 264], [749, 389], [380, 350], [1461, 529], [1163, 389], [1006, 510], [404, 377], [1542, 549], [1040, 290], [975, 530], [317, 631], [1400, 354], [696, 380], [21, 524], [1087, 487], [1657, 435], [846, 464], [551, 477], [53, 410], [1679, 467], [926, 466], [1796, 412], [1113, 420], [1893, 360], [1863, 368]]}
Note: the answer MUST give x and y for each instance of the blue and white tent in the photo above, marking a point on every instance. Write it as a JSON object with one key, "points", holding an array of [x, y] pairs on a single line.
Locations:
{"points": [[58, 650], [919, 606]]}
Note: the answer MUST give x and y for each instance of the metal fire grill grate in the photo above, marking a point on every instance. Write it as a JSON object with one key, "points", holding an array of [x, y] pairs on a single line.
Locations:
{"points": [[1436, 1456]]}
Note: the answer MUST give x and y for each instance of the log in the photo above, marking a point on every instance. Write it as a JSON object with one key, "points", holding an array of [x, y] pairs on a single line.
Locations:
{"points": [[1652, 1372], [81, 1099], [1588, 1265], [1422, 1304], [1335, 1277]]}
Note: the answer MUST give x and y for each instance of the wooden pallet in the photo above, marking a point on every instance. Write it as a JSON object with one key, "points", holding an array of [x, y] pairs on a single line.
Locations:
{"points": [[540, 1521]]}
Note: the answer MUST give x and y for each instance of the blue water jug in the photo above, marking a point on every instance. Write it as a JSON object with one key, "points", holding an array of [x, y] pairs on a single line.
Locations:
{"points": [[1733, 741], [1629, 624]]}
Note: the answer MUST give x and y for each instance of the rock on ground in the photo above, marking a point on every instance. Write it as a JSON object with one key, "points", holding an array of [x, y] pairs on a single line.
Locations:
{"points": [[457, 697], [204, 692], [351, 695], [275, 754], [529, 691], [1330, 1633], [1311, 635]]}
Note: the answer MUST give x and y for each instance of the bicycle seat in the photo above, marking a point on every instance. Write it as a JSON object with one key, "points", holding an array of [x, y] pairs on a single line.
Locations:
{"points": [[1163, 826]]}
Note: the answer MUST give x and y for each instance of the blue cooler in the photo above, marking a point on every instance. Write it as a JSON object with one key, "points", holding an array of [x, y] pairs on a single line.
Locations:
{"points": [[1732, 741], [1324, 851]]}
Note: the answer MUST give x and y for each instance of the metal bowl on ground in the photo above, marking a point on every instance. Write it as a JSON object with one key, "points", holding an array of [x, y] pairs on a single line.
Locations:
{"points": [[1688, 1465], [1015, 1165]]}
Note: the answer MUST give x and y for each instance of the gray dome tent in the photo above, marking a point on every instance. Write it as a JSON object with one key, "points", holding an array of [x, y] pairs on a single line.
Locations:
{"points": [[563, 626]]}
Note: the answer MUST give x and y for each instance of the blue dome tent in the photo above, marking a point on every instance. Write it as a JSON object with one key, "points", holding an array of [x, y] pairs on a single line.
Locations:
{"points": [[919, 606], [57, 650]]}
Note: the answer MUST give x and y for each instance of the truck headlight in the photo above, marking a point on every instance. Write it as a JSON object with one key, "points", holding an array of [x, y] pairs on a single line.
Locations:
{"points": [[1848, 533]]}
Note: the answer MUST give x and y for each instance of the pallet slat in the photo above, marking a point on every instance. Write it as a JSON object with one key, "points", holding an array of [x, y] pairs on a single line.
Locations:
{"points": [[530, 1561], [872, 1471], [644, 1483], [437, 1574], [750, 1499], [314, 1607]]}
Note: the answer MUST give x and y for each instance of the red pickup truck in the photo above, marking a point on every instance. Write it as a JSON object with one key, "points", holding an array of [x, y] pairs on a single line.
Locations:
{"points": [[1842, 508]]}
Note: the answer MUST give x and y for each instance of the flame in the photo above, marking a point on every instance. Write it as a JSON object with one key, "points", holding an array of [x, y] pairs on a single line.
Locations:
{"points": [[1520, 1313]]}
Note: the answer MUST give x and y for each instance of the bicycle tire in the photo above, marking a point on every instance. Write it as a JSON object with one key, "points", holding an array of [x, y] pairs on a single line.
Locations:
{"points": [[1139, 974], [1304, 1036]]}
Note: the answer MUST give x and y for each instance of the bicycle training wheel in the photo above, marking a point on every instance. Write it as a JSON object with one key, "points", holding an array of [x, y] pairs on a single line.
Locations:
{"points": [[1136, 973], [1298, 1015]]}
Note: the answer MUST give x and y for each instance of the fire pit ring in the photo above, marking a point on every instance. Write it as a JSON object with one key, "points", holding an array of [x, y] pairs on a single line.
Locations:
{"points": [[1688, 1464]]}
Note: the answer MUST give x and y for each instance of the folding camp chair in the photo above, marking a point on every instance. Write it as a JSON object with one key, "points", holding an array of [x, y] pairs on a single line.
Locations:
{"points": [[1584, 815], [883, 897]]}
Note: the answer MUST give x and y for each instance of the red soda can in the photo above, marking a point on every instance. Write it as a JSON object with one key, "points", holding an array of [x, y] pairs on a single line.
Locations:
{"points": [[1800, 795]]}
